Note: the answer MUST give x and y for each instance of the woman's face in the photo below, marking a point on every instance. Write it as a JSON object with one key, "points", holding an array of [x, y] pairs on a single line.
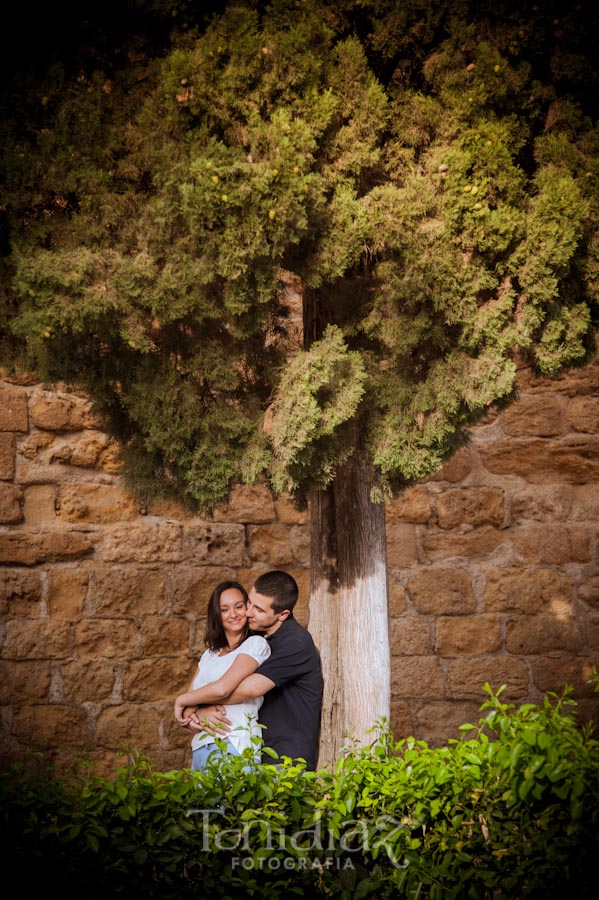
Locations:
{"points": [[233, 611]]}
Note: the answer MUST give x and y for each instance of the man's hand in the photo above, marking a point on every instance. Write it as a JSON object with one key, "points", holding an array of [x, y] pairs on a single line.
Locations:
{"points": [[210, 719]]}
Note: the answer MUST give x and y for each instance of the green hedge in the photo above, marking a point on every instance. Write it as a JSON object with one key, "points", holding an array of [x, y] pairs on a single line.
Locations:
{"points": [[509, 811]]}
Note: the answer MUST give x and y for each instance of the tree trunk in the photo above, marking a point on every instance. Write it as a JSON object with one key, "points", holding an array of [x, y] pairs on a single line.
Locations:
{"points": [[348, 607]]}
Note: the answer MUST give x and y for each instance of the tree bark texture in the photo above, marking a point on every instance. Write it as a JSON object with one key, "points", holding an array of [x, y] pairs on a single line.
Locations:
{"points": [[349, 608]]}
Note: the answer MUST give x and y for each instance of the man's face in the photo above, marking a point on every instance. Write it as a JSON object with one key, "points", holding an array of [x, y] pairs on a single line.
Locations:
{"points": [[261, 616]]}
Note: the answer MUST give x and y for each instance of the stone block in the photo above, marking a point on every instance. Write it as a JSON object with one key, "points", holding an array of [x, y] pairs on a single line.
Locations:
{"points": [[440, 721], [534, 635], [585, 503], [573, 460], [397, 592], [51, 726], [588, 591], [215, 544], [11, 504], [542, 503], [458, 466], [534, 415], [173, 736], [401, 545], [443, 591], [149, 542], [126, 590], [248, 504], [591, 629], [570, 383], [24, 682], [8, 452], [416, 677], [528, 591], [468, 635], [67, 590], [100, 504], [20, 592], [30, 548], [54, 411], [287, 512], [478, 543], [299, 538], [466, 677], [582, 414], [190, 588], [133, 725], [410, 636], [157, 679], [87, 681], [553, 674], [413, 505], [13, 409], [39, 506], [400, 720], [107, 638], [470, 506], [551, 544], [270, 543], [36, 639], [164, 636]]}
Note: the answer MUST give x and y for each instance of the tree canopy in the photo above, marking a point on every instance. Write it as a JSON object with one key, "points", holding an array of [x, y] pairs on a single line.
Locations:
{"points": [[429, 171]]}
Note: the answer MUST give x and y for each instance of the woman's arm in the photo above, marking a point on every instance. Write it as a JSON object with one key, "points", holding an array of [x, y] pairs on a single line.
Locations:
{"points": [[217, 691]]}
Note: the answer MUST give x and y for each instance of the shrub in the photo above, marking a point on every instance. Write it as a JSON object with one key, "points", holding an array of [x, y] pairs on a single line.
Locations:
{"points": [[511, 810]]}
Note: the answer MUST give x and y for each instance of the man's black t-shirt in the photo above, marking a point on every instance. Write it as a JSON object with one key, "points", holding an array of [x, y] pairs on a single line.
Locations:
{"points": [[291, 710]]}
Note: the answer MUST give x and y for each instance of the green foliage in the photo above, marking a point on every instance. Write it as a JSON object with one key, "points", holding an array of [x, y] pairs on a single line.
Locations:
{"points": [[429, 170], [318, 395], [511, 810]]}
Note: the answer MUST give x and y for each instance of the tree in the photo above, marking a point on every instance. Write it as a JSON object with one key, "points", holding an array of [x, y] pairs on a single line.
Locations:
{"points": [[440, 217]]}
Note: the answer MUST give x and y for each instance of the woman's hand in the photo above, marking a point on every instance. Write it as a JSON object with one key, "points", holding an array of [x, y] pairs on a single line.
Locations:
{"points": [[211, 719]]}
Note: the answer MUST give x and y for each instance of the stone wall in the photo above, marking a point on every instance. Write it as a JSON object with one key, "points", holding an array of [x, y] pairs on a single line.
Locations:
{"points": [[493, 573]]}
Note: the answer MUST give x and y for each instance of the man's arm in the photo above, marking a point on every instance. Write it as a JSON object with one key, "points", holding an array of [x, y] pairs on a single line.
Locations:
{"points": [[216, 691], [253, 686]]}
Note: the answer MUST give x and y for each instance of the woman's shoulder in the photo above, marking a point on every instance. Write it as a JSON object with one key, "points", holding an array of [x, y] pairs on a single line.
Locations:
{"points": [[254, 643], [254, 640]]}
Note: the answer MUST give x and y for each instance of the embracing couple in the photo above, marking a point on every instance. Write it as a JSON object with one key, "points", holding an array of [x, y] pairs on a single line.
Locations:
{"points": [[260, 675]]}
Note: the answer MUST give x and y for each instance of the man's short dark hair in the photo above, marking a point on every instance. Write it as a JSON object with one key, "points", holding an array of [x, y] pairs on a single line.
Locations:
{"points": [[280, 587]]}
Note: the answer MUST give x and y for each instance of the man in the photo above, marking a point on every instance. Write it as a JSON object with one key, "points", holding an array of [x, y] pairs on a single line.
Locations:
{"points": [[290, 680]]}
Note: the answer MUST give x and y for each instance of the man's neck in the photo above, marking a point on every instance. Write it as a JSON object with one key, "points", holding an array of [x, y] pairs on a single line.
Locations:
{"points": [[274, 628]]}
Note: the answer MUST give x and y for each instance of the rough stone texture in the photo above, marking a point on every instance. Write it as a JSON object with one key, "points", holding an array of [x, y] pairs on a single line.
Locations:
{"points": [[51, 726], [98, 503], [39, 504], [126, 591], [468, 635], [215, 545], [148, 543], [441, 591], [13, 408], [8, 450], [88, 681], [416, 677], [528, 591], [493, 574], [29, 548], [413, 505], [67, 590], [465, 677], [11, 504], [107, 638], [20, 592], [470, 506]]}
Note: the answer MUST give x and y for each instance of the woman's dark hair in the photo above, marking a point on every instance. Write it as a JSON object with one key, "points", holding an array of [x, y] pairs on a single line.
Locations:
{"points": [[214, 636]]}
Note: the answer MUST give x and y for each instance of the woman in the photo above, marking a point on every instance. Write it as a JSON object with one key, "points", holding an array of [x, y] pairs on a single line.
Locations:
{"points": [[231, 655]]}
